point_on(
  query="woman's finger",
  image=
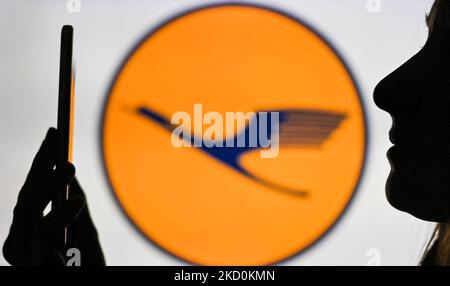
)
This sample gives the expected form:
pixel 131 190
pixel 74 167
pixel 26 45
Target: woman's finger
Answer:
pixel 46 157
pixel 63 215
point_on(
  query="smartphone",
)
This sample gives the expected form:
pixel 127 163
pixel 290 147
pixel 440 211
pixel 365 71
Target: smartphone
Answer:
pixel 65 101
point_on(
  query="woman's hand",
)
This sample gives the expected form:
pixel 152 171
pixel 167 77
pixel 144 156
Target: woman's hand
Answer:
pixel 35 239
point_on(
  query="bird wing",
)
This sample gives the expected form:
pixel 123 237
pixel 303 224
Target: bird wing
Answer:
pixel 309 127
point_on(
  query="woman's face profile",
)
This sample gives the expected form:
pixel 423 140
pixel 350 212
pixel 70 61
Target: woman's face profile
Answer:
pixel 417 96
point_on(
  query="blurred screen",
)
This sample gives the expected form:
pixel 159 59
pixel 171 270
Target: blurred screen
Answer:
pixel 178 107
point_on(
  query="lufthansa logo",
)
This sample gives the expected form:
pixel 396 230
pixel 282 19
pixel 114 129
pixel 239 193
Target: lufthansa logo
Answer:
pixel 222 203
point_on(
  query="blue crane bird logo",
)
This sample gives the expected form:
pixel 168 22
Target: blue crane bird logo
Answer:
pixel 298 128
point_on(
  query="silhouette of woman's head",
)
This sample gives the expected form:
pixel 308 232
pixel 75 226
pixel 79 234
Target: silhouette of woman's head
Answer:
pixel 417 95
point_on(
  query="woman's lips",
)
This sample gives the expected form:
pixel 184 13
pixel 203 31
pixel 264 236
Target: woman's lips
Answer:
pixel 392 136
pixel 394 149
pixel 391 150
pixel 391 153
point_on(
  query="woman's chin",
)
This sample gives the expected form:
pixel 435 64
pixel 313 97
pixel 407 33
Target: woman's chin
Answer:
pixel 408 196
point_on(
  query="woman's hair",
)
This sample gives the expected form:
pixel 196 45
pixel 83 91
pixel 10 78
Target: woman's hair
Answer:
pixel 437 252
pixel 439 14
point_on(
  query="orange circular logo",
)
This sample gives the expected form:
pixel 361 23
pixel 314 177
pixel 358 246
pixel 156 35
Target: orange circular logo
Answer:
pixel 212 203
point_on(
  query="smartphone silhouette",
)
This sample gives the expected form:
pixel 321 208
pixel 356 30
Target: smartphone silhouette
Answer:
pixel 65 101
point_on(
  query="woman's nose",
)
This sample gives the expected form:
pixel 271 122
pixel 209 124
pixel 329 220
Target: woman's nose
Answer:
pixel 382 96
pixel 396 90
pixel 402 87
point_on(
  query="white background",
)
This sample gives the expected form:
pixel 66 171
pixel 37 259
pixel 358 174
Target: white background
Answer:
pixel 373 45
